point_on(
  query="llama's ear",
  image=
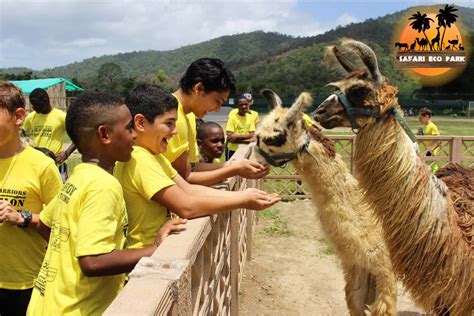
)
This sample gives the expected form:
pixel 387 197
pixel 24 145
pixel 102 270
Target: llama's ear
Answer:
pixel 273 99
pixel 367 56
pixel 342 59
pixel 303 102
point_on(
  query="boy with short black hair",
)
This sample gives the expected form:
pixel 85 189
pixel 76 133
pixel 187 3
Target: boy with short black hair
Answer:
pixel 152 186
pixel 204 87
pixel 84 266
pixel 46 127
pixel 211 142
pixel 28 181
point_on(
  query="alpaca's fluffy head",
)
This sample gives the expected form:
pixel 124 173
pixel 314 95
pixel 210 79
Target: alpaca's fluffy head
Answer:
pixel 364 87
pixel 283 129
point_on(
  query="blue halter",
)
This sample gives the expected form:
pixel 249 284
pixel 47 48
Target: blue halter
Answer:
pixel 280 160
pixel 352 112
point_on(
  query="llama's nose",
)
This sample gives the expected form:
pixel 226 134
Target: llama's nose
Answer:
pixel 319 111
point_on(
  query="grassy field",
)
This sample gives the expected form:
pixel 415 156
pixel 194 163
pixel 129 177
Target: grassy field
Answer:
pixel 446 125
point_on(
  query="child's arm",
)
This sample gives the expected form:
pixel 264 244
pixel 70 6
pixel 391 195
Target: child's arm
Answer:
pixel 241 139
pixel 218 172
pixel 62 156
pixel 10 215
pixel 244 168
pixel 123 261
pixel 212 201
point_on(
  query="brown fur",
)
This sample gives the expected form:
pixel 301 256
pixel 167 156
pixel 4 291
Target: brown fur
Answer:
pixel 328 144
pixel 348 222
pixel 460 181
pixel 427 227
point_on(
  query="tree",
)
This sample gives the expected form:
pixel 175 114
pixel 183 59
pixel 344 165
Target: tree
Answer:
pixel 109 76
pixel 421 23
pixel 446 17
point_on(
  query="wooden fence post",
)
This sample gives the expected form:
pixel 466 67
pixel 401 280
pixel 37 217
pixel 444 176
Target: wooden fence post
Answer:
pixel 456 154
pixel 234 262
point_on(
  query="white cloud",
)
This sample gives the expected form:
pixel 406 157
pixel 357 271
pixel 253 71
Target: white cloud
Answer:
pixel 346 18
pixel 41 34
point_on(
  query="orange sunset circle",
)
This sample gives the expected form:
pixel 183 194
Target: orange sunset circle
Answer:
pixel 451 35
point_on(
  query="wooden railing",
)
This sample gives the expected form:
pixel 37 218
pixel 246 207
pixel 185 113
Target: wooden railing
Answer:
pixel 195 272
pixel 458 149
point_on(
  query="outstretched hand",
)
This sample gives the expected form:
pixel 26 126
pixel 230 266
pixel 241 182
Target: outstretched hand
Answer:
pixel 251 169
pixel 170 227
pixel 9 215
pixel 259 200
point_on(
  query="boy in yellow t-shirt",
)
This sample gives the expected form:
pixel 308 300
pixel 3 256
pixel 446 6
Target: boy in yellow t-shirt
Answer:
pixel 85 262
pixel 241 125
pixel 28 181
pixel 211 142
pixel 152 186
pixel 205 86
pixel 46 127
pixel 430 128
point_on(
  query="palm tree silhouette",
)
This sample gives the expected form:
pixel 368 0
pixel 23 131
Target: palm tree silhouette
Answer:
pixel 421 23
pixel 445 18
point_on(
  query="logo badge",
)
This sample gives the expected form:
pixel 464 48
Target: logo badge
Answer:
pixel 430 43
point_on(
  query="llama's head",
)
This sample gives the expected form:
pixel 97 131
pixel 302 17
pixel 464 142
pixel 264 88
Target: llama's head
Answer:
pixel 282 134
pixel 363 96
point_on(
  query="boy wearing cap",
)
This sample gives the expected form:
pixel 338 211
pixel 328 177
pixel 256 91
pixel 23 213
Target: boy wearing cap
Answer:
pixel 241 125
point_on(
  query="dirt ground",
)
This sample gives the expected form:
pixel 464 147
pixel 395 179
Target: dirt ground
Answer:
pixel 294 270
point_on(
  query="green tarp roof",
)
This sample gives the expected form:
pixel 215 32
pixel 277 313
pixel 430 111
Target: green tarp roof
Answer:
pixel 29 85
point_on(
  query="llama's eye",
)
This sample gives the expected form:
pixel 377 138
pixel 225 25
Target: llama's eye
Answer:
pixel 358 92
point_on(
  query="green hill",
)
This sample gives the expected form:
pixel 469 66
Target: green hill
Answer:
pixel 258 59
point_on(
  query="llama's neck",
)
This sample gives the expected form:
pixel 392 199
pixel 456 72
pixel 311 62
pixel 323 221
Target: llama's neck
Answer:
pixel 329 182
pixel 398 183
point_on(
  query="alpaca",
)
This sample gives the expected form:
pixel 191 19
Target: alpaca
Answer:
pixel 430 244
pixel 348 223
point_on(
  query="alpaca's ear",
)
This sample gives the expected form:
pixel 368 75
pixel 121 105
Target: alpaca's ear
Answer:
pixel 303 102
pixel 273 99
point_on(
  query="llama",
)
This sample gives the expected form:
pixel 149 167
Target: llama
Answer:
pixel 348 223
pixel 430 244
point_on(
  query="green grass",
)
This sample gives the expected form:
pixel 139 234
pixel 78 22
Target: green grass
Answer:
pixel 459 126
pixel 275 225
pixel 328 249
pixel 446 125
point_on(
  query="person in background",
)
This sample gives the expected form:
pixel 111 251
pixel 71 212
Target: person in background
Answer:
pixel 241 124
pixel 46 127
pixel 430 128
pixel 211 142
pixel 28 181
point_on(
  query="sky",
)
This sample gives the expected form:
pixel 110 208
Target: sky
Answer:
pixel 41 34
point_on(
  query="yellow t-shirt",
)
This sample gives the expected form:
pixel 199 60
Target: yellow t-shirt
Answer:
pixel 47 130
pixel 141 178
pixel 431 129
pixel 87 217
pixel 185 140
pixel 28 181
pixel 309 122
pixel 240 125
